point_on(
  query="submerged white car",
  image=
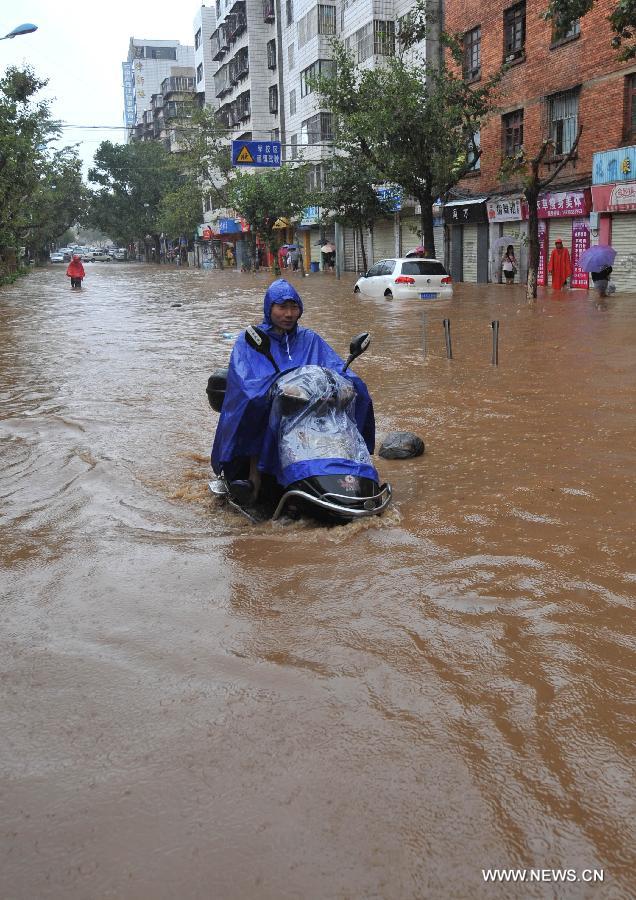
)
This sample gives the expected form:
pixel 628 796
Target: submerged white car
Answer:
pixel 404 279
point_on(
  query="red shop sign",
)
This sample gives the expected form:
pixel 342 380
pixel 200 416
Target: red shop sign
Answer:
pixel 556 204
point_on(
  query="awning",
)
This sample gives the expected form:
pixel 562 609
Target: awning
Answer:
pixel 466 212
pixel 281 223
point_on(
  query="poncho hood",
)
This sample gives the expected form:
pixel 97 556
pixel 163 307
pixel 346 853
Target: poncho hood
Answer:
pixel 279 291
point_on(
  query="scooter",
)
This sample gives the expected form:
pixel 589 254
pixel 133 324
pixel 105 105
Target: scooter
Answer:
pixel 312 420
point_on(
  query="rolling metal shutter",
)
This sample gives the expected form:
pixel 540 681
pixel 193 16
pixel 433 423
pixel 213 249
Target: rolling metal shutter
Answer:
pixel 349 249
pixel 408 238
pixel 383 240
pixel 469 253
pixel 624 242
pixel 560 228
pixel 438 234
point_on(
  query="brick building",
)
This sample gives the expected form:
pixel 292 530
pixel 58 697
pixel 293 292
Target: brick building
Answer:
pixel 554 84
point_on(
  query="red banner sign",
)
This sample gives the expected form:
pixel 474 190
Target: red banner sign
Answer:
pixel 580 243
pixel 556 204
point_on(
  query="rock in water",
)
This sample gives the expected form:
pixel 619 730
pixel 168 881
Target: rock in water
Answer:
pixel 401 445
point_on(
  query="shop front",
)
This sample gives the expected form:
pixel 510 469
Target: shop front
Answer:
pixel 468 227
pixel 508 224
pixel 614 199
pixel 564 216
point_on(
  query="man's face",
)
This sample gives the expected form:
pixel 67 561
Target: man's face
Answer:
pixel 285 315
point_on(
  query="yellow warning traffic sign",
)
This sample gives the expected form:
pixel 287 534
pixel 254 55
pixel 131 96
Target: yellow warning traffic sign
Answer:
pixel 245 156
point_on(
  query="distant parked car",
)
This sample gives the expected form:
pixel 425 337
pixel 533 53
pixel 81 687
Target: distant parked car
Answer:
pixel 403 279
pixel 120 254
pixel 101 256
pixel 87 255
pixel 57 257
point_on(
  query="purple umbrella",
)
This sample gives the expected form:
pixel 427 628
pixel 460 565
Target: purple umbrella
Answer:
pixel 596 258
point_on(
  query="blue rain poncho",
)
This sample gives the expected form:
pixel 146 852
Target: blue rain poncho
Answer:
pixel 243 424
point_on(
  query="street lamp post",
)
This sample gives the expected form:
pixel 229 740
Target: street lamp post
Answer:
pixel 26 28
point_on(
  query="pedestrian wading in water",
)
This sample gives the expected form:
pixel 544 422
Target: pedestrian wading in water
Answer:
pixel 75 272
pixel 560 265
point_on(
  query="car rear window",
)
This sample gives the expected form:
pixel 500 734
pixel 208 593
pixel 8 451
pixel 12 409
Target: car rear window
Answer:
pixel 423 267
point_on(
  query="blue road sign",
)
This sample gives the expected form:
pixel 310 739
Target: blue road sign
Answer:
pixel 262 154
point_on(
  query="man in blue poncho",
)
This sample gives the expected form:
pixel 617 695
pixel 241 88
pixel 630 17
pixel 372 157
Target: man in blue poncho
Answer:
pixel 239 439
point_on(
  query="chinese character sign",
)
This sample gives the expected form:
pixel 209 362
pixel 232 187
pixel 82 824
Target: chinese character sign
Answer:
pixel 129 93
pixel 261 154
pixel 580 243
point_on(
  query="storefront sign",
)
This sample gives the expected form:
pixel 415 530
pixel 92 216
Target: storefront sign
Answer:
pixel 470 212
pixel 614 165
pixel 229 226
pixel 311 215
pixel 563 203
pixel 129 94
pixel 543 253
pixel 580 243
pixel 615 197
pixel 622 198
pixel 391 196
pixel 509 210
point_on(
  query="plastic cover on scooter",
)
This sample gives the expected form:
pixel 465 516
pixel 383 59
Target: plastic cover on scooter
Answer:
pixel 313 418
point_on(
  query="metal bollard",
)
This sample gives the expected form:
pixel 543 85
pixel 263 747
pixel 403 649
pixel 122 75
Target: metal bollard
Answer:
pixel 495 342
pixel 447 336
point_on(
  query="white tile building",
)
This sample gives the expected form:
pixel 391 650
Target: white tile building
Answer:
pixel 203 27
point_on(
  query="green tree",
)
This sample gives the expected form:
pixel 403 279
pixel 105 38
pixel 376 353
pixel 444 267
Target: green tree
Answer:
pixel 134 179
pixel 180 210
pixel 349 196
pixel 26 128
pixel 60 200
pixel 263 198
pixel 206 155
pixel 622 19
pixel 417 124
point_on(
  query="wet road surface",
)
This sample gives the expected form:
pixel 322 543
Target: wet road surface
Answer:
pixel 200 708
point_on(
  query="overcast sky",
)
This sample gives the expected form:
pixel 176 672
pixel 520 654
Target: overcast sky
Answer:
pixel 80 49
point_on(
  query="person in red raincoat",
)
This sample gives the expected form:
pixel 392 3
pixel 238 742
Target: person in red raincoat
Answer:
pixel 76 271
pixel 559 265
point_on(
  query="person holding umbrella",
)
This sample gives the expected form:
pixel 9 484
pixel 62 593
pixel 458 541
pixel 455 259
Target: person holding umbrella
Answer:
pixel 598 262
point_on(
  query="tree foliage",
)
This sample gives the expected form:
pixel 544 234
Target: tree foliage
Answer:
pixel 622 19
pixel 263 198
pixel 41 192
pixel 133 181
pixel 349 195
pixel 206 155
pixel 416 123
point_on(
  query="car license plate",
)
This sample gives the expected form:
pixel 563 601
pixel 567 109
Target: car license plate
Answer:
pixel 428 296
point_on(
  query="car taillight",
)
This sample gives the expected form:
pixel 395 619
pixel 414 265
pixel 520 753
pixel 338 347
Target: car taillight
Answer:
pixel 447 280
pixel 404 279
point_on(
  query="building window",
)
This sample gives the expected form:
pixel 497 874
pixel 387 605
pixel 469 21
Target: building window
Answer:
pixel 294 146
pixel 292 102
pixel 563 113
pixel 275 134
pixel 317 129
pixel 271 54
pixel 316 178
pixel 290 57
pixel 512 132
pixel 630 108
pixel 561 37
pixel 289 7
pixel 273 99
pixel 161 53
pixel 474 156
pixel 199 72
pixel 218 9
pixel 322 67
pixel 472 54
pixel 197 39
pixel 514 32
pixel 268 11
pixel 326 19
pixel 376 38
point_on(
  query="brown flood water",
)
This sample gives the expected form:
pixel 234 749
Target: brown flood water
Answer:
pixel 194 707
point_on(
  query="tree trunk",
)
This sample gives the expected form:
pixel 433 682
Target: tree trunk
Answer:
pixel 532 196
pixel 426 222
pixel 362 247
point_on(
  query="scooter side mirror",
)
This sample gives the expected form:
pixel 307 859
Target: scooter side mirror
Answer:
pixel 357 346
pixel 259 341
